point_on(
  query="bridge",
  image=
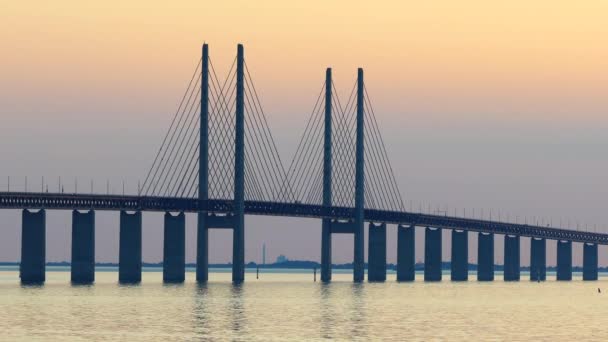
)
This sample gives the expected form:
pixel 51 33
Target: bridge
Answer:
pixel 219 160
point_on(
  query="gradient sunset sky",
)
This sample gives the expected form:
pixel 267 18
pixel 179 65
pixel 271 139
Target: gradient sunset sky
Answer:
pixel 483 104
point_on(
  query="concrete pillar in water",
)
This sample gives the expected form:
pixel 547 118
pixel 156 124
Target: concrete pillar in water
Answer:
pixel 238 235
pixel 326 222
pixel 460 255
pixel 485 257
pixel 174 250
pixel 129 256
pixel 202 248
pixel 359 262
pixel 83 247
pixel 33 246
pixel 376 264
pixel 202 233
pixel 564 260
pixel 589 261
pixel 325 250
pixel 432 254
pixel 406 253
pixel 511 258
pixel 538 259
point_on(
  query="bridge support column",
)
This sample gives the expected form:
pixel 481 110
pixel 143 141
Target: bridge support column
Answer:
pixel 485 257
pixel 327 167
pixel 359 262
pixel 406 253
pixel 202 233
pixel 432 254
pixel 460 255
pixel 238 235
pixel 326 250
pixel 564 260
pixel 359 250
pixel 129 256
pixel 83 247
pixel 33 247
pixel 511 258
pixel 174 250
pixel 202 249
pixel 538 259
pixel 376 264
pixel 589 261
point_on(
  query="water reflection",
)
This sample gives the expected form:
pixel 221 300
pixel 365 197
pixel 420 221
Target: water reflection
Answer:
pixel 237 308
pixel 201 315
pixel 220 307
pixel 342 309
pixel 30 286
pixel 358 310
pixel 282 307
pixel 327 311
pixel 127 289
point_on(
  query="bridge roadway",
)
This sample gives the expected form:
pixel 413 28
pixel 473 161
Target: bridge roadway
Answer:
pixel 63 201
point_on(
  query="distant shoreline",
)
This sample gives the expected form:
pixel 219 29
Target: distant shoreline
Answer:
pixel 298 264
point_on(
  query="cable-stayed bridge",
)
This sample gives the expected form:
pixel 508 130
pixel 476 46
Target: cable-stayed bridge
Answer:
pixel 220 160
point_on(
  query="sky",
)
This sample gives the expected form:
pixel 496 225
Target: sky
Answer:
pixel 482 104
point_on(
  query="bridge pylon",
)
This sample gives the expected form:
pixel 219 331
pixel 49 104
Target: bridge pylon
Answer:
pixel 327 169
pixel 202 234
pixel 236 219
pixel 359 262
pixel 238 234
pixel 356 224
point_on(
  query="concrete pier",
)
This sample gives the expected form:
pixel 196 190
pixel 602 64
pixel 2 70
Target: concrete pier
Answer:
pixel 174 248
pixel 485 257
pixel 511 258
pixel 460 255
pixel 83 247
pixel 432 254
pixel 564 260
pixel 406 253
pixel 325 250
pixel 538 259
pixel 202 248
pixel 129 256
pixel 589 261
pixel 376 265
pixel 33 247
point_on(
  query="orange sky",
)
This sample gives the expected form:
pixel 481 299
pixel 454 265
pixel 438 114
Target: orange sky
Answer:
pixel 494 104
pixel 532 58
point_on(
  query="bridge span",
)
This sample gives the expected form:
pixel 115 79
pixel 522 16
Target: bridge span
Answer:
pixel 220 215
pixel 219 160
pixel 84 202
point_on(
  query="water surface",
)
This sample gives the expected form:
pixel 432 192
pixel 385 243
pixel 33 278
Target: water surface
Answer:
pixel 290 306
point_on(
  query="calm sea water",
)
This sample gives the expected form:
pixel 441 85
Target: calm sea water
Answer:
pixel 290 306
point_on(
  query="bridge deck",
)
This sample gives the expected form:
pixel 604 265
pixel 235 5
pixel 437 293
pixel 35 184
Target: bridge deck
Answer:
pixel 21 200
